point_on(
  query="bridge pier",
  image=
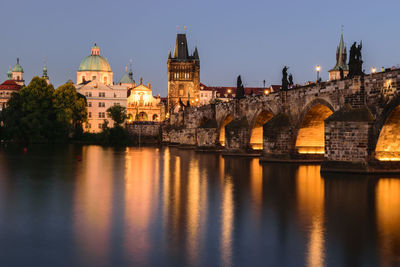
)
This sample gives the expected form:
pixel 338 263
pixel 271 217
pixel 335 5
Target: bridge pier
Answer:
pixel 237 138
pixel 350 143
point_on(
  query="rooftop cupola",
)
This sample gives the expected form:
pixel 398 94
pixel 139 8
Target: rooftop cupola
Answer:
pixel 9 74
pixel 95 50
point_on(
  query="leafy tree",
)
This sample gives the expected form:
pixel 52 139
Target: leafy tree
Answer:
pixel 70 108
pixel 29 115
pixel 117 114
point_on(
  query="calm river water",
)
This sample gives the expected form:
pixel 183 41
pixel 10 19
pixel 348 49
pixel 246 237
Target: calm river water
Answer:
pixel 171 207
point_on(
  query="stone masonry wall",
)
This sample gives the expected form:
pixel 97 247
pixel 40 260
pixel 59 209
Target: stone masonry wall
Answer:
pixel 347 140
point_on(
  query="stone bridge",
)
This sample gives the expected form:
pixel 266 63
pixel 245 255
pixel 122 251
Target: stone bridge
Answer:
pixel 349 125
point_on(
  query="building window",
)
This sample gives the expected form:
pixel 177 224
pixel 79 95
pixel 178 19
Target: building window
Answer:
pixel 102 114
pixel 100 124
pixel 88 125
pixel 102 94
pixel 90 114
pixel 93 78
pixel 105 79
pixel 89 104
pixel 88 94
pixel 83 79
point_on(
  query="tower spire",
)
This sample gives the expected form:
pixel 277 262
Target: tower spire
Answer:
pixel 45 76
pixel 130 70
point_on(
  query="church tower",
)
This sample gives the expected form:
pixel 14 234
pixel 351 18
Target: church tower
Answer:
pixel 45 76
pixel 18 74
pixel 341 58
pixel 183 75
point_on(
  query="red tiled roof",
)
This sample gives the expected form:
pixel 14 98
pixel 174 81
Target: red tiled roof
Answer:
pixel 9 85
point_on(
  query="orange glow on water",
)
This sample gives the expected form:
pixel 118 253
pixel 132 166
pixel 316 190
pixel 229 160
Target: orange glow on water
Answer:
pixel 388 217
pixel 311 135
pixel 310 192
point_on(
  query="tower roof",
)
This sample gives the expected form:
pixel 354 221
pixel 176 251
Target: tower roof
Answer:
pixel 181 51
pixel 181 47
pixel 17 67
pixel 341 56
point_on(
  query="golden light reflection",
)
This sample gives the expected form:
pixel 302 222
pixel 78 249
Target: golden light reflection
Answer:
pixel 227 222
pixel 141 197
pixel 93 198
pixel 256 182
pixel 311 135
pixel 388 218
pixel 221 138
pixel 196 210
pixel 256 138
pixel 310 192
pixel 388 146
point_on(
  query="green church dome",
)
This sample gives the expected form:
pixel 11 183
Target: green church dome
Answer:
pixel 17 67
pixel 95 62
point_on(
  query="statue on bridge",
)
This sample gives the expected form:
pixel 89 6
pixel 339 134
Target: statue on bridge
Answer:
pixel 355 61
pixel 285 81
pixel 239 88
pixel 291 80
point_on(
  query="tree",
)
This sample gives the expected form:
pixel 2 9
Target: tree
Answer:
pixel 117 114
pixel 70 108
pixel 239 88
pixel 29 115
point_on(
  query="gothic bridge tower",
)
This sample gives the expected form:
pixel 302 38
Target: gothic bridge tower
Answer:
pixel 183 75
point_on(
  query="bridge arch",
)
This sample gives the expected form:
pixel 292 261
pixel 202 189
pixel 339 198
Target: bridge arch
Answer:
pixel 310 132
pixel 387 133
pixel 256 134
pixel 221 129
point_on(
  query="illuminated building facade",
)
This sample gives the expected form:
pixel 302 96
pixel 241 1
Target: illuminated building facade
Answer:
pixel 143 106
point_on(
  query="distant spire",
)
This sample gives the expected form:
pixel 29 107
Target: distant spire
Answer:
pixel 18 60
pixel 9 74
pixel 130 70
pixel 196 54
pixel 45 76
pixel 341 54
pixel 126 68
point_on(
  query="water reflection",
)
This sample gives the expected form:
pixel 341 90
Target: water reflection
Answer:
pixel 310 193
pixel 388 219
pixel 171 207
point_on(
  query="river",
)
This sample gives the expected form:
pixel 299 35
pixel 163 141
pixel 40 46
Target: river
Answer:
pixel 172 207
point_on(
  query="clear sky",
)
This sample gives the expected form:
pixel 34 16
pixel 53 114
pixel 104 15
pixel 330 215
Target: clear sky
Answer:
pixel 252 38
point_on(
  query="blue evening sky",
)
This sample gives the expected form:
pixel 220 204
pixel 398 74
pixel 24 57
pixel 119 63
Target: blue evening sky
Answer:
pixel 252 38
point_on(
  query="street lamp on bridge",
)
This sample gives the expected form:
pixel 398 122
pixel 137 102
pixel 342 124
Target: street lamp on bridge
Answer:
pixel 318 69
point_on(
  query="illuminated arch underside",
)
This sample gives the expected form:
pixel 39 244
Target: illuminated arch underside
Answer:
pixel 256 139
pixel 388 146
pixel 227 120
pixel 311 135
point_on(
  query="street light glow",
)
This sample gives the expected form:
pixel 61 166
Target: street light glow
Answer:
pixel 318 68
pixel 373 70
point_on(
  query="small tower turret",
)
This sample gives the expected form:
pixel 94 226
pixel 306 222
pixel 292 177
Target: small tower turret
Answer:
pixel 341 58
pixel 18 74
pixel 45 76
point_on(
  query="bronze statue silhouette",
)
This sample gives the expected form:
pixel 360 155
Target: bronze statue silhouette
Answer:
pixel 285 82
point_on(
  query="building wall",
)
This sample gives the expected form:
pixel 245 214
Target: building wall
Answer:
pixel 102 76
pixel 99 98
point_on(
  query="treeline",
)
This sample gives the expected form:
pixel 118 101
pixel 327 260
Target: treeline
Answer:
pixel 39 114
